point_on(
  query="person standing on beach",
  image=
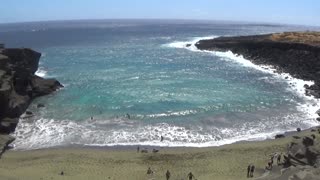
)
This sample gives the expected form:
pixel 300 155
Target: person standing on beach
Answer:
pixel 279 159
pixel 252 170
pixel 168 175
pixel 128 116
pixel 190 176
pixel 138 149
pixel 269 165
pixel 149 171
pixel 248 170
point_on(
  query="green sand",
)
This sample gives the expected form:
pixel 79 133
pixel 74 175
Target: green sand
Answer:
pixel 225 162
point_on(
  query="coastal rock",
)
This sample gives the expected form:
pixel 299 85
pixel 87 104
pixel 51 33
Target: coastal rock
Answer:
pixel 41 87
pixel 293 53
pixel 19 85
pixel 307 141
pixel 8 125
pixel 279 136
pixel 296 53
pixel 40 105
pixel 5 140
pixel 301 162
pixel 304 152
pixel 22 60
pixel 29 113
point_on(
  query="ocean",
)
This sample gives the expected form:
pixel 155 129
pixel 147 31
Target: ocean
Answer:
pixel 129 82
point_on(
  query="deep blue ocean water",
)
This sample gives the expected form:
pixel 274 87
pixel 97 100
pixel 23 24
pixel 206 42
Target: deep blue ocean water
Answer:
pixel 113 69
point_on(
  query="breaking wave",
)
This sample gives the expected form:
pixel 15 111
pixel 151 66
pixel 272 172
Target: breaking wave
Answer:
pixel 45 133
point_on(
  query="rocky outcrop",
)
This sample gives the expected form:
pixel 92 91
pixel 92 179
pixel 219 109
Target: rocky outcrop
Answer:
pixel 19 85
pixel 299 58
pixel 301 159
pixel 5 140
pixel 299 55
pixel 304 151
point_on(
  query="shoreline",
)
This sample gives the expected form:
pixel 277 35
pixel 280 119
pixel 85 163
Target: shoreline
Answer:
pixel 287 134
pixel 223 162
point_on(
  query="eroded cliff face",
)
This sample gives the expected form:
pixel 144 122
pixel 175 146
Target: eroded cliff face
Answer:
pixel 301 60
pixel 19 85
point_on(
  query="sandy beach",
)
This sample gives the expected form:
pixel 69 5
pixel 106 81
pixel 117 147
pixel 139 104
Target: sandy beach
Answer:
pixel 225 162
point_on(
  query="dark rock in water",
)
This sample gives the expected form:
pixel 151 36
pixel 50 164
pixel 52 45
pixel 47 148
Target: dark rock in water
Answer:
pixel 318 119
pixel 306 86
pixel 188 45
pixel 42 86
pixel 29 113
pixel 298 129
pixel 279 136
pixel 318 112
pixel 40 105
pixel 19 85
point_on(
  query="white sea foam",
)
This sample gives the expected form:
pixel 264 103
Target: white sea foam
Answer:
pixel 183 44
pixel 44 133
pixel 41 72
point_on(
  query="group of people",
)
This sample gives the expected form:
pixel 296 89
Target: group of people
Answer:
pixel 168 174
pixel 250 170
pixel 190 175
pixel 273 156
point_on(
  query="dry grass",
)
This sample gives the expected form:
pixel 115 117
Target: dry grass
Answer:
pixel 308 37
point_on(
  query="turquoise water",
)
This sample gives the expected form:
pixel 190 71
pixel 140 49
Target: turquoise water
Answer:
pixel 112 69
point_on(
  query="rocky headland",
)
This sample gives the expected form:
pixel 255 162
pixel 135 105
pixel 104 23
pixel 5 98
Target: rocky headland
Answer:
pixel 18 87
pixel 296 53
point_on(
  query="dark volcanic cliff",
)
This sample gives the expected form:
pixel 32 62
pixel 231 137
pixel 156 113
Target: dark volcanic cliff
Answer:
pixel 294 53
pixel 19 86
